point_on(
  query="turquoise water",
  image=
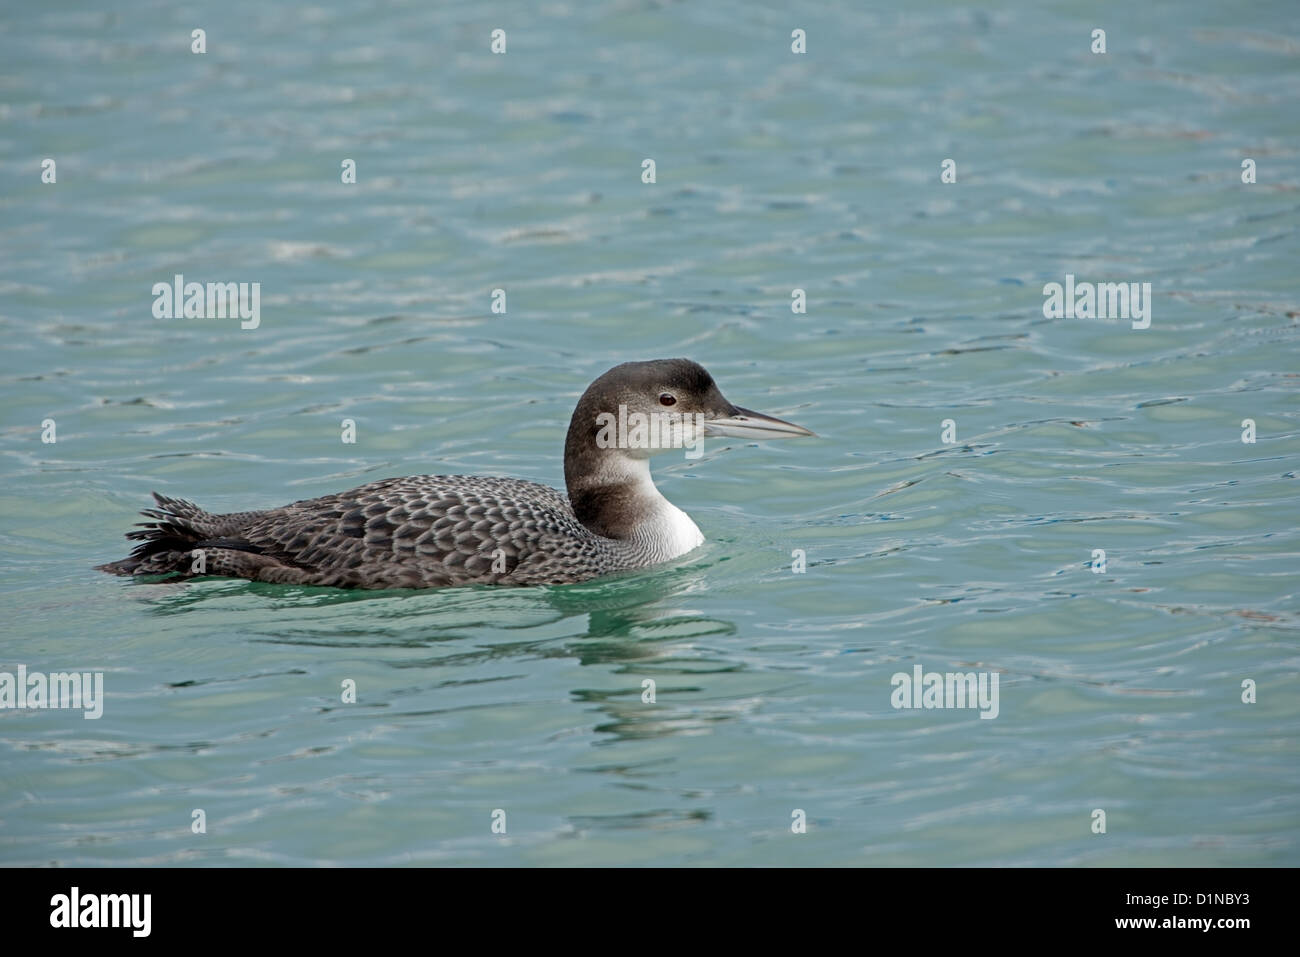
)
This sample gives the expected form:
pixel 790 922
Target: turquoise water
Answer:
pixel 1120 690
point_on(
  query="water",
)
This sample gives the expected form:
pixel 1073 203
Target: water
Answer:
pixel 1119 690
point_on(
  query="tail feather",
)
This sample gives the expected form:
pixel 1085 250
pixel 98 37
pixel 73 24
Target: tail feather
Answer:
pixel 166 545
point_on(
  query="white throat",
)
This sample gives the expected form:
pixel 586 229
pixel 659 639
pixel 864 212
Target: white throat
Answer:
pixel 665 531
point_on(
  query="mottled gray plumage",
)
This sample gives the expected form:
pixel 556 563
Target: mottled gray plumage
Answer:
pixel 418 532
pixel 428 531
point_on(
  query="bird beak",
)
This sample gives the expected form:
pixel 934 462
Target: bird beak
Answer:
pixel 747 424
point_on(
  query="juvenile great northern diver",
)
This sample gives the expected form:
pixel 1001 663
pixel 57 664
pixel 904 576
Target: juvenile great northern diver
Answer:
pixel 427 531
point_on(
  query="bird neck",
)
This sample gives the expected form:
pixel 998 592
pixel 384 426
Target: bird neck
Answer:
pixel 612 494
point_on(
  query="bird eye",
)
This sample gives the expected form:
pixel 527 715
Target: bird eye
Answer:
pixel 667 398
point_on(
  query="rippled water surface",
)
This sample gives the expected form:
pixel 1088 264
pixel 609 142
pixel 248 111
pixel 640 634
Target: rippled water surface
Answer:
pixel 1120 689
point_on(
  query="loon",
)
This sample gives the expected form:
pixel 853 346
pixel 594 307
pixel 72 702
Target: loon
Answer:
pixel 430 531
